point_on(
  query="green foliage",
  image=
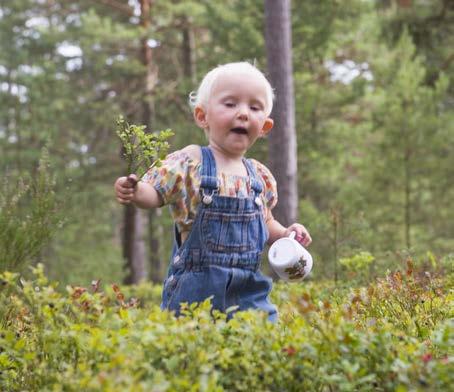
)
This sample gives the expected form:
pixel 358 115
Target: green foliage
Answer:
pixel 30 214
pixel 142 150
pixel 413 301
pixel 407 123
pixel 89 339
pixel 376 152
pixel 358 262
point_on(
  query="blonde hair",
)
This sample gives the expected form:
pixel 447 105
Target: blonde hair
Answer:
pixel 203 93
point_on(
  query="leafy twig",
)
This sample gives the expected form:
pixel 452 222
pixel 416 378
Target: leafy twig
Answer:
pixel 142 150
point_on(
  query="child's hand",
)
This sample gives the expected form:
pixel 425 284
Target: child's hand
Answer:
pixel 125 188
pixel 302 235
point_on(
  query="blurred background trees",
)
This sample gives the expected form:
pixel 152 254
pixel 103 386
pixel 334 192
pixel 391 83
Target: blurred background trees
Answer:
pixel 373 111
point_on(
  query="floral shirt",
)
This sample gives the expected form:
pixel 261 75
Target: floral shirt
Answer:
pixel 178 182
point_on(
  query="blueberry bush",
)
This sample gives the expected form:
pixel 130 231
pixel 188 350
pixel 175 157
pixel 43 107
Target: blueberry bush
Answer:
pixel 396 334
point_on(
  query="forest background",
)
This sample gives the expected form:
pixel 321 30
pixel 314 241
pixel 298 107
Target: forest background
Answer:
pixel 373 111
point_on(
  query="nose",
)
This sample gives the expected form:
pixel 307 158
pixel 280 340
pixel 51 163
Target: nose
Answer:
pixel 243 112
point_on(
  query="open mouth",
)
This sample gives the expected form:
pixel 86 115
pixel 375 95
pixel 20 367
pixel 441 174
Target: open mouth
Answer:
pixel 239 130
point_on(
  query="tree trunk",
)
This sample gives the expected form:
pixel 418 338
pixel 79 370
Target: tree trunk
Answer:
pixel 156 232
pixel 134 244
pixel 335 218
pixel 189 62
pixel 136 220
pixel 282 139
pixel 155 229
pixel 406 135
pixel 407 202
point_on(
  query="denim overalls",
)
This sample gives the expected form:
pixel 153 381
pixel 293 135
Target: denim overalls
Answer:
pixel 221 255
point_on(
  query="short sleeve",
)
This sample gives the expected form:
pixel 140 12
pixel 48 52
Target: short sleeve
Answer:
pixel 169 178
pixel 269 183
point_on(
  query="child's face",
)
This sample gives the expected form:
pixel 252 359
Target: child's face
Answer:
pixel 235 115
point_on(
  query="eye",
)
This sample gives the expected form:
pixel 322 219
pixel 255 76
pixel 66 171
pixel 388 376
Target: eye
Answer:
pixel 229 104
pixel 256 108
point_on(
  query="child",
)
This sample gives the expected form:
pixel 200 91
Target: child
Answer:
pixel 220 201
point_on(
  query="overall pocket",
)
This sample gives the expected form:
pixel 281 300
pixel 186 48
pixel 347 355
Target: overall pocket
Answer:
pixel 171 285
pixel 186 288
pixel 224 232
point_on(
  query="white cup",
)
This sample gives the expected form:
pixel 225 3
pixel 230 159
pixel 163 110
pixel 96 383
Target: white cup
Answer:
pixel 289 259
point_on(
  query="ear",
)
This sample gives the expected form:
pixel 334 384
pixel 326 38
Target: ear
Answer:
pixel 267 126
pixel 200 117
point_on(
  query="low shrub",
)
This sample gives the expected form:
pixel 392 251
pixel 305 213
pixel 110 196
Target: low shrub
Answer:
pixel 30 214
pixel 93 339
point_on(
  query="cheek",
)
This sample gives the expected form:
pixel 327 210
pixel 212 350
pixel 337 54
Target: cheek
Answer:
pixel 215 116
pixel 259 118
pixel 222 116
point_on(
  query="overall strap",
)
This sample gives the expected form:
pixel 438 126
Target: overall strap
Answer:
pixel 209 179
pixel 256 184
pixel 208 162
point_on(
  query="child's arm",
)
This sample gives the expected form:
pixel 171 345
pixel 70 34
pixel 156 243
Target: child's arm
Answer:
pixel 142 194
pixel 276 231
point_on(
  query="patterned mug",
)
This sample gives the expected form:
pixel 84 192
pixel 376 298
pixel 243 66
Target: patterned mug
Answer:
pixel 289 259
